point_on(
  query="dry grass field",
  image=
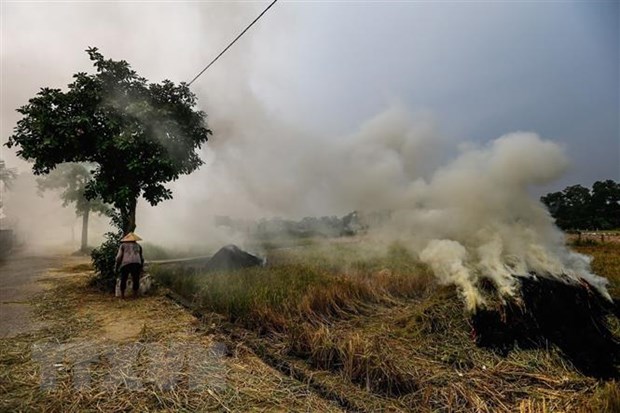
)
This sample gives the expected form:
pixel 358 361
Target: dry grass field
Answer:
pixel 383 336
pixel 324 327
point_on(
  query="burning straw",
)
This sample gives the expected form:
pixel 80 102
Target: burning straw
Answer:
pixel 574 317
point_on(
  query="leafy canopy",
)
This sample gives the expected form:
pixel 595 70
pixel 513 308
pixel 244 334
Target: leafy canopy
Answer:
pixel 577 207
pixel 138 135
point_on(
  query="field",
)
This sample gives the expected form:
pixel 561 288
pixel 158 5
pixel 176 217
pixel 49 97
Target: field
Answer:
pixel 373 331
pixel 339 326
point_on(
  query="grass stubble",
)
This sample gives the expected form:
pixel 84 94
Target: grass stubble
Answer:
pixel 379 334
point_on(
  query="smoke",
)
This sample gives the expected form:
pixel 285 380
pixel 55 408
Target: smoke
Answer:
pixel 479 221
pixel 471 217
pixel 39 221
pixel 466 210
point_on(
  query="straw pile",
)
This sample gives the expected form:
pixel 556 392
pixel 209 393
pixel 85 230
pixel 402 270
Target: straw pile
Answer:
pixel 575 318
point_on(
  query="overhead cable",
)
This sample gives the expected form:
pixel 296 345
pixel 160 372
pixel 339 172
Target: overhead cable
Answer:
pixel 231 43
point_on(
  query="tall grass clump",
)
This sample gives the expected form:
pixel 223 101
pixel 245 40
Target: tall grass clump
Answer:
pixel 313 284
pixel 302 292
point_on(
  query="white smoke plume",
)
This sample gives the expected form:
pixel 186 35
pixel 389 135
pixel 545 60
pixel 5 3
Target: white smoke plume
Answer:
pixel 465 209
pixel 468 218
pixel 479 221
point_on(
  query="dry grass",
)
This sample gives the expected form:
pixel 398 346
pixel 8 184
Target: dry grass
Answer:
pixel 379 321
pixel 371 330
pixel 80 324
pixel 606 263
pixel 607 398
pixel 302 284
pixel 421 355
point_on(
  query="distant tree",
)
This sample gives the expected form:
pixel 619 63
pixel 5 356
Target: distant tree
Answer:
pixel 71 180
pixel 577 207
pixel 7 175
pixel 605 204
pixel 138 136
pixel 577 200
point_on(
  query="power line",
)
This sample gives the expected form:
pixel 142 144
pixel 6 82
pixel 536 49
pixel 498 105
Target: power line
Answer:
pixel 231 43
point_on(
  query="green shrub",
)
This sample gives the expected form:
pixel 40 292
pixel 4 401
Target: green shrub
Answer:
pixel 104 257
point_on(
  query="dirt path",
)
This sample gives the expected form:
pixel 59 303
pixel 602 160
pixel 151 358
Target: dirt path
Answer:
pixel 19 274
pixel 150 354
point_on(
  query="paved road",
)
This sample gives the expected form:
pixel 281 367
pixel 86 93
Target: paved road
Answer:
pixel 19 273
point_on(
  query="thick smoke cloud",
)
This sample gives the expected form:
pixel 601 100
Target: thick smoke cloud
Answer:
pixel 464 209
pixel 468 218
pixel 484 224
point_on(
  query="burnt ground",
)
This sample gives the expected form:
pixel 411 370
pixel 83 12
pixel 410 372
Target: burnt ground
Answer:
pixel 573 317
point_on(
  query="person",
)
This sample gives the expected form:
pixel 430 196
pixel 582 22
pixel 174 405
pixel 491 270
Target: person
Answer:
pixel 129 260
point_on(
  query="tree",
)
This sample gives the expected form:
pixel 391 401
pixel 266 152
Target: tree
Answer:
pixel 577 200
pixel 577 207
pixel 71 179
pixel 605 204
pixel 7 175
pixel 138 135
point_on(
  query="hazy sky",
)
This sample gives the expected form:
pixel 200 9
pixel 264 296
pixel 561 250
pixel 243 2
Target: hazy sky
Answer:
pixel 480 69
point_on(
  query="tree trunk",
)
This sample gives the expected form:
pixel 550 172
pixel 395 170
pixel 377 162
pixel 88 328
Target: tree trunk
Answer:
pixel 84 246
pixel 131 217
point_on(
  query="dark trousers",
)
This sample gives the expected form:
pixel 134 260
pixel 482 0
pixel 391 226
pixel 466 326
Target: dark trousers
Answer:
pixel 134 269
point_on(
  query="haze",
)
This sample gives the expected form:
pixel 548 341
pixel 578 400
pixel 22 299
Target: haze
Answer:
pixel 326 107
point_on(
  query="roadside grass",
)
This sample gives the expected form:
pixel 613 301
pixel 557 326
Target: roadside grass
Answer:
pixel 376 318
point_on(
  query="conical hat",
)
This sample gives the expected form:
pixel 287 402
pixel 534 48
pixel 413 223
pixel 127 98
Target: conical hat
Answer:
pixel 131 237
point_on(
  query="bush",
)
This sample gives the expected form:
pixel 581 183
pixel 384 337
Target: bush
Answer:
pixel 104 257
